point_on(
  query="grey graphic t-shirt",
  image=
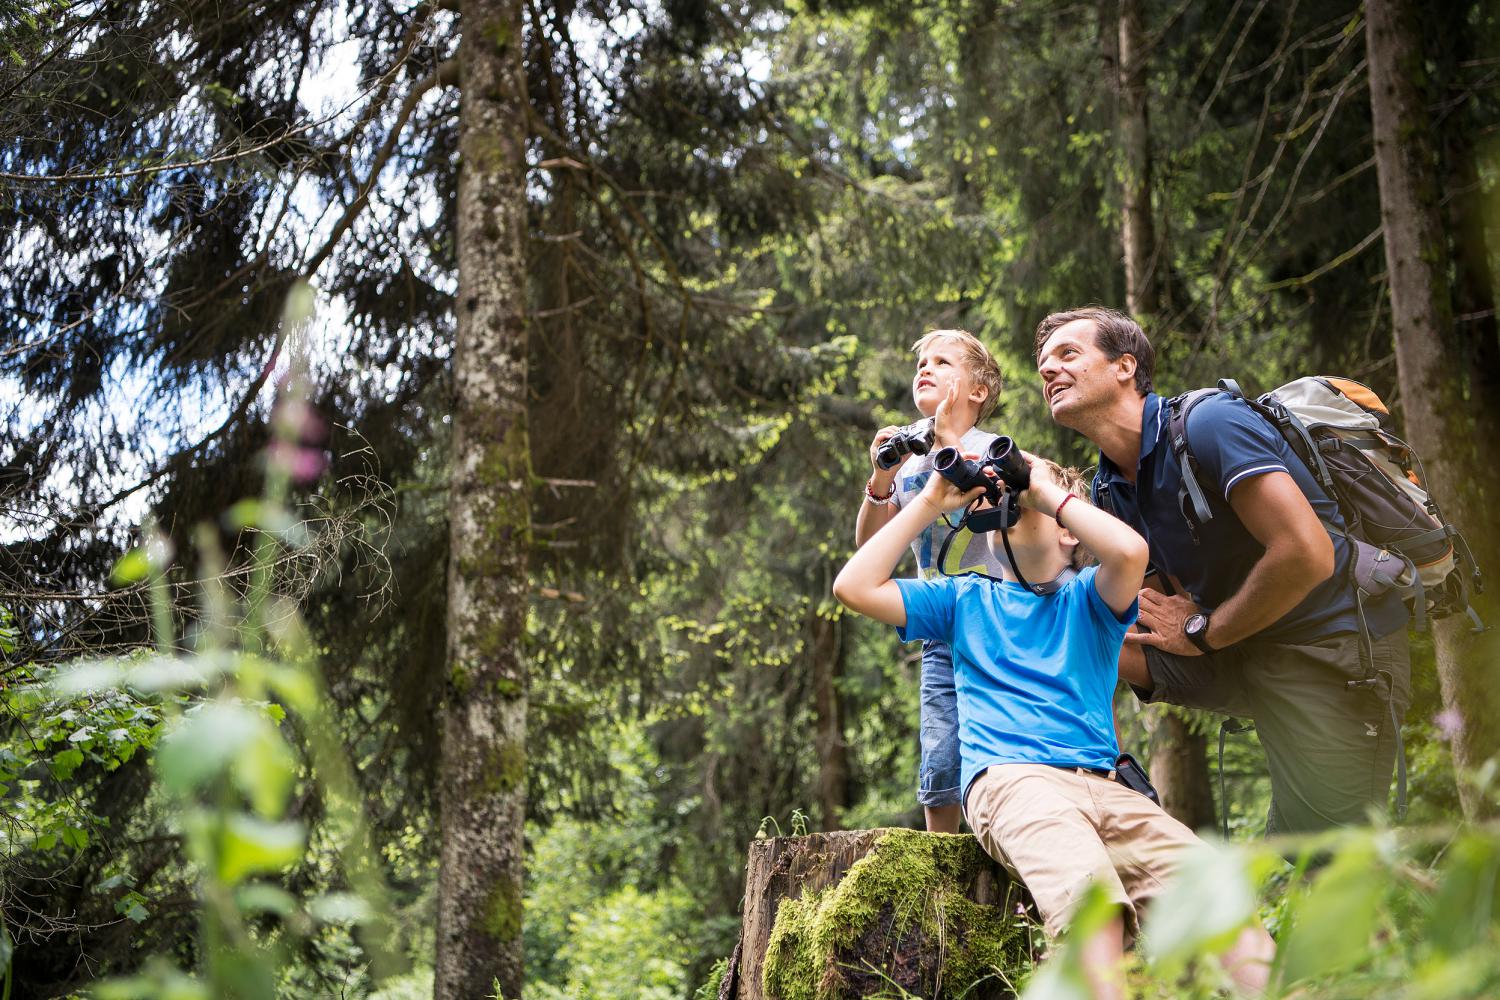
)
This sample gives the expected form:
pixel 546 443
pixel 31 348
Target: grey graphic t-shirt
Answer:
pixel 968 552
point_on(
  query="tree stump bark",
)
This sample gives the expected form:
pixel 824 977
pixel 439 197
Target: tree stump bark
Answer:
pixel 860 912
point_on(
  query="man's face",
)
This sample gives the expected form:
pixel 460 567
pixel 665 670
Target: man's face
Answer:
pixel 1076 375
pixel 939 365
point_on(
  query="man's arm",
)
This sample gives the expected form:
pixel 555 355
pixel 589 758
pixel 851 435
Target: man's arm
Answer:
pixel 1299 556
pixel 865 584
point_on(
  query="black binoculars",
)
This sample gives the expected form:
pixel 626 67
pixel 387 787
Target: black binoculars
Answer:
pixel 1011 468
pixel 913 439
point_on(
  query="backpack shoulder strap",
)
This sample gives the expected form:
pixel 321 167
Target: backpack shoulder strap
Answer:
pixel 1190 496
pixel 1099 492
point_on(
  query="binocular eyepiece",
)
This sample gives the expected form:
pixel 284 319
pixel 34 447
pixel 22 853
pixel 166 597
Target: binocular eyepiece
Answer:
pixel 913 439
pixel 1011 468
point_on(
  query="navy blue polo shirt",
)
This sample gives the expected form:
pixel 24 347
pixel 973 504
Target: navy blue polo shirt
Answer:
pixel 1233 443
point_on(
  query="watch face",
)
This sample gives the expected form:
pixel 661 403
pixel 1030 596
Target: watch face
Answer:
pixel 1195 624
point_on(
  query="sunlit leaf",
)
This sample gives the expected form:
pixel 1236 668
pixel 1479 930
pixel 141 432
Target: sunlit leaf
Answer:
pixel 204 743
pixel 251 846
pixel 340 908
pixel 131 568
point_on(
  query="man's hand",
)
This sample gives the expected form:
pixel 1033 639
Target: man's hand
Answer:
pixel 1164 616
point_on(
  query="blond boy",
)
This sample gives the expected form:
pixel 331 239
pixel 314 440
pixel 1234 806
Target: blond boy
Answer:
pixel 958 360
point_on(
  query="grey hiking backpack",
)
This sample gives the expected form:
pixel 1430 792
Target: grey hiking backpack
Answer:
pixel 1344 434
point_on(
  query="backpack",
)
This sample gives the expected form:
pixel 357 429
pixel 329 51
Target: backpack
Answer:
pixel 1344 434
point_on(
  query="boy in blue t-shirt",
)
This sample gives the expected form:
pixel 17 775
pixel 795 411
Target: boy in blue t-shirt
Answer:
pixel 1035 676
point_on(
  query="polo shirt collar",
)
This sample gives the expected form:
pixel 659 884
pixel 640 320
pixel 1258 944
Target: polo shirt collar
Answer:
pixel 1153 429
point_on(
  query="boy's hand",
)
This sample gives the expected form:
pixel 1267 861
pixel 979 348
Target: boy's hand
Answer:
pixel 944 497
pixel 881 437
pixel 1044 492
pixel 946 432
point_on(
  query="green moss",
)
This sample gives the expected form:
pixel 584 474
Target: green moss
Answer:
pixel 710 988
pixel 502 911
pixel 505 768
pixel 907 894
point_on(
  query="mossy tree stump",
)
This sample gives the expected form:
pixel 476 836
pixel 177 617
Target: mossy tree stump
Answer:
pixel 861 912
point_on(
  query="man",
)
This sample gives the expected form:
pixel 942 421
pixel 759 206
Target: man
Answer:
pixel 1259 617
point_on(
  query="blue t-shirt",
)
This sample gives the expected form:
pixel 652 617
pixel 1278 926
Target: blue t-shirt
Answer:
pixel 1035 675
pixel 1232 443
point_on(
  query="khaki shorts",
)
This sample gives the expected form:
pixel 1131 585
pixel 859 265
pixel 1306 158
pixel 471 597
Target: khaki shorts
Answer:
pixel 1330 744
pixel 1059 831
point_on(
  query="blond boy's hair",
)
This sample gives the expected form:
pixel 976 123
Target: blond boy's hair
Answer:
pixel 1076 483
pixel 982 366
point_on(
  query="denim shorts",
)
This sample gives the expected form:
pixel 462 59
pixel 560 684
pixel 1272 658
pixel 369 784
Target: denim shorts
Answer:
pixel 937 779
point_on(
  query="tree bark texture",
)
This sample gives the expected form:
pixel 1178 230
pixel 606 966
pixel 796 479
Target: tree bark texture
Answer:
pixel 1179 770
pixel 483 783
pixel 1435 412
pixel 1143 260
pixel 826 647
pixel 1179 763
pixel 855 913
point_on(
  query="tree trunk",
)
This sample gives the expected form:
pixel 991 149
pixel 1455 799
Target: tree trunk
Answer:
pixel 1143 262
pixel 1179 762
pixel 483 777
pixel 1179 770
pixel 1434 408
pixel 827 650
pixel 863 911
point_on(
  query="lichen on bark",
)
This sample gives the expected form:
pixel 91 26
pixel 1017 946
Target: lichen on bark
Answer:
pixel 900 917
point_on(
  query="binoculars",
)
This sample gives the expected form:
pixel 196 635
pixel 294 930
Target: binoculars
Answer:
pixel 913 439
pixel 1011 468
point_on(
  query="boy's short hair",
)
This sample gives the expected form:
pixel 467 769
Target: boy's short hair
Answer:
pixel 1076 483
pixel 1114 332
pixel 977 358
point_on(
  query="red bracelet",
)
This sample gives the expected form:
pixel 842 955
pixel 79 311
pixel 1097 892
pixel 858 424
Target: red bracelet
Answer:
pixel 1058 516
pixel 878 501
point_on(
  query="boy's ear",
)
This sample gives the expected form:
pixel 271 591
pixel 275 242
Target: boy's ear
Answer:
pixel 979 394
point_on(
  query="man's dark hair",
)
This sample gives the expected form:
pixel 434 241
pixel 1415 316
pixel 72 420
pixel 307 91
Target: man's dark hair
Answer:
pixel 1115 333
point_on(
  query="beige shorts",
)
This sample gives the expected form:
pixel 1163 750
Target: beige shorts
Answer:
pixel 1059 831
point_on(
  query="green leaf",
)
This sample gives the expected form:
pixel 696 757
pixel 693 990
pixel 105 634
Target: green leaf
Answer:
pixel 1208 900
pixel 262 898
pixel 132 567
pixel 340 908
pixel 1333 923
pixel 1464 905
pixel 204 743
pixel 64 764
pixel 250 846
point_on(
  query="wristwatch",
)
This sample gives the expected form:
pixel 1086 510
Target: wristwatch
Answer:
pixel 1196 630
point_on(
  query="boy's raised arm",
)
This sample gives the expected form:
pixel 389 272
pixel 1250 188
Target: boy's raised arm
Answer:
pixel 1123 555
pixel 865 584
